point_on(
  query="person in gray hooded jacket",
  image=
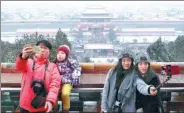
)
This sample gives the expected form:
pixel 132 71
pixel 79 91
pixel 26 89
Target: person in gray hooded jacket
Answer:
pixel 119 92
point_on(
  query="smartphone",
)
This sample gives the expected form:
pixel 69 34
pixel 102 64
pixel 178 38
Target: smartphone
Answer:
pixel 36 49
pixel 27 45
pixel 170 69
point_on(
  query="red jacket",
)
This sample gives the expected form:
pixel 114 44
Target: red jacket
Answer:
pixel 52 81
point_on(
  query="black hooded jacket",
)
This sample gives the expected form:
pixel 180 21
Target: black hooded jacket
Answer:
pixel 150 104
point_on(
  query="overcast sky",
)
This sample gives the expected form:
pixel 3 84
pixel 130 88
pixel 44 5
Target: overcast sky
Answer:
pixel 79 5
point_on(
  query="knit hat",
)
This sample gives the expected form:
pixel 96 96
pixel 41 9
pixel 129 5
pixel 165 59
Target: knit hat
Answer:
pixel 126 53
pixel 65 49
pixel 46 43
pixel 142 59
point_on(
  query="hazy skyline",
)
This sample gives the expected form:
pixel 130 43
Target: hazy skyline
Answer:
pixel 69 7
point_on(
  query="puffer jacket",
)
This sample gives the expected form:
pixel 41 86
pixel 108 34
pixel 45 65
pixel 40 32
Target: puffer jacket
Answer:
pixel 52 81
pixel 70 71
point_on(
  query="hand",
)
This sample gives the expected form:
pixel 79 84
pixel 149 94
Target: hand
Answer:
pixel 153 91
pixel 27 51
pixel 49 106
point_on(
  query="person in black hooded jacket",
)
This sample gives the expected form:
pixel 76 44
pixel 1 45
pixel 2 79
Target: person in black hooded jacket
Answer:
pixel 149 104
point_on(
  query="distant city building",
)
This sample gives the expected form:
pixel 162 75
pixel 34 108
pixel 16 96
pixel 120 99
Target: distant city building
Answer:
pixel 95 15
pixel 93 18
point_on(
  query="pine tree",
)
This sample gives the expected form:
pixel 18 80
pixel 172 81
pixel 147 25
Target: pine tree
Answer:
pixel 112 35
pixel 158 52
pixel 10 51
pixel 61 38
pixel 176 48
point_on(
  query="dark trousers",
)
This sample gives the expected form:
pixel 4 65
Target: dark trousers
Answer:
pixel 26 111
pixel 119 110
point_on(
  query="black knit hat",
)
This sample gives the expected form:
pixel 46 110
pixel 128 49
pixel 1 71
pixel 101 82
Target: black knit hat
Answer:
pixel 124 54
pixel 127 55
pixel 142 59
pixel 46 43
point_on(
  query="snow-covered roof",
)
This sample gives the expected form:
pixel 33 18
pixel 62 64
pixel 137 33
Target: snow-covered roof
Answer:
pixel 96 17
pixel 87 33
pixel 98 46
pixel 148 30
pixel 8 33
pixel 104 60
pixel 95 11
pixel 70 38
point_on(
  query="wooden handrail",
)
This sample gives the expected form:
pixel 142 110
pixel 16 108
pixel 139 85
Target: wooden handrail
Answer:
pixel 96 67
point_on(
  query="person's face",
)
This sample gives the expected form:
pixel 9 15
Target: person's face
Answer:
pixel 44 51
pixel 126 62
pixel 61 56
pixel 143 67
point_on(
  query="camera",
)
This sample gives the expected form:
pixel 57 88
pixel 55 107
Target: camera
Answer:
pixel 40 93
pixel 38 87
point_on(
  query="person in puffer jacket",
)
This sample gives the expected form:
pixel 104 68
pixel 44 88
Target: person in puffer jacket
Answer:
pixel 70 72
pixel 37 69
pixel 149 104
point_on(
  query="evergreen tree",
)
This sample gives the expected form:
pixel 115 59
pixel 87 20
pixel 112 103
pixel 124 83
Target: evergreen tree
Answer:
pixel 158 52
pixel 61 38
pixel 176 49
pixel 10 51
pixel 112 35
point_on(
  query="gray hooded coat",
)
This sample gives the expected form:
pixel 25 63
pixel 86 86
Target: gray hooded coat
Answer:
pixel 126 92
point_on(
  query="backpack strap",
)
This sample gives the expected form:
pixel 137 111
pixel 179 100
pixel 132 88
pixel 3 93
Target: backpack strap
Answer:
pixel 46 68
pixel 33 66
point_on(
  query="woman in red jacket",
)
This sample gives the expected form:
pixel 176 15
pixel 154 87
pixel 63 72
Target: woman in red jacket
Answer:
pixel 40 82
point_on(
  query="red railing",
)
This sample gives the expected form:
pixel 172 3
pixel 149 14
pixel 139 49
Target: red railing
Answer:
pixel 96 68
